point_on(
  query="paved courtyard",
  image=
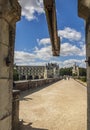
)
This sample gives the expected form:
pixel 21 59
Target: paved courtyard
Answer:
pixel 60 106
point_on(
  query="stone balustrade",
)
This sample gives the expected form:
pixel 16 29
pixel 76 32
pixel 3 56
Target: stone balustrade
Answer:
pixel 28 84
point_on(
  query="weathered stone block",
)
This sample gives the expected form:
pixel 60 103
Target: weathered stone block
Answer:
pixel 6 123
pixel 88 49
pixel 10 12
pixel 5 98
pixel 4 70
pixel 84 8
pixel 4 32
pixel 15 110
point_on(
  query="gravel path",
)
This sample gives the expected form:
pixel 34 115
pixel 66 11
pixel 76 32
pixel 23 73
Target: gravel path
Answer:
pixel 60 106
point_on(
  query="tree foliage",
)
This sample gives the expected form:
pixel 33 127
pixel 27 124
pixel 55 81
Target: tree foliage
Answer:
pixel 82 71
pixel 15 75
pixel 66 71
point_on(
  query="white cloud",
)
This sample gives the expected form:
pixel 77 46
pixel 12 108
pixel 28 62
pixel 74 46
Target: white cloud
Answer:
pixel 70 34
pixel 71 62
pixel 26 58
pixel 30 7
pixel 22 57
pixel 44 54
pixel 44 41
pixel 68 49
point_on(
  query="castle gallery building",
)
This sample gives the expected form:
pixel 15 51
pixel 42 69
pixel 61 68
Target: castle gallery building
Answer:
pixel 51 70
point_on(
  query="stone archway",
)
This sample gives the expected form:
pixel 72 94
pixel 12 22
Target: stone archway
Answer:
pixel 41 77
pixel 84 12
pixel 10 12
pixel 30 77
pixel 36 77
pixel 23 77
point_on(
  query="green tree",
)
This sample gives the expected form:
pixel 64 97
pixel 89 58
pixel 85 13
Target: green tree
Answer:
pixel 82 71
pixel 66 71
pixel 15 75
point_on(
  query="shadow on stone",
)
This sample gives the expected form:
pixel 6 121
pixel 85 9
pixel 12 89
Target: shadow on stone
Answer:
pixel 32 90
pixel 25 126
pixel 25 99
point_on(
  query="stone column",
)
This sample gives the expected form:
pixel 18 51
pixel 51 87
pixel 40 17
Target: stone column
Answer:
pixel 19 77
pixel 88 70
pixel 9 13
pixel 26 77
pixel 15 110
pixel 84 12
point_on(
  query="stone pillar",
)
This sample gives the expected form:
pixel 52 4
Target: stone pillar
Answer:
pixel 15 110
pixel 84 12
pixel 19 77
pixel 26 77
pixel 9 14
pixel 88 70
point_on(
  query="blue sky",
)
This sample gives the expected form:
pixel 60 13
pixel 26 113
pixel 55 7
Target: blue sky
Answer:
pixel 32 45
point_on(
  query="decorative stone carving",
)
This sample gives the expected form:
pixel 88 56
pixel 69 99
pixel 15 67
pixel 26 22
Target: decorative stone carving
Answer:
pixel 10 10
pixel 84 8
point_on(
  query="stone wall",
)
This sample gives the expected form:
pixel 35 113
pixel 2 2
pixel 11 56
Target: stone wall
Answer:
pixel 15 110
pixel 25 85
pixel 10 12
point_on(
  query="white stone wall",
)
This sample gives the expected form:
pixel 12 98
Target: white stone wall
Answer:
pixel 40 71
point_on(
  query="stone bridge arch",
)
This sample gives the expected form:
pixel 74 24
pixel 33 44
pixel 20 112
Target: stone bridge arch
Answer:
pixel 10 12
pixel 36 77
pixel 30 77
pixel 22 77
pixel 41 77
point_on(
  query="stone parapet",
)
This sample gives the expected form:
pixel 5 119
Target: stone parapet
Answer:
pixel 31 84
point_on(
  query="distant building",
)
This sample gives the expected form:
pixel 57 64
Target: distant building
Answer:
pixel 75 70
pixel 51 70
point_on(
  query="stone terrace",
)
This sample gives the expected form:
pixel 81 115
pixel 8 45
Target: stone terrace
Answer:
pixel 60 106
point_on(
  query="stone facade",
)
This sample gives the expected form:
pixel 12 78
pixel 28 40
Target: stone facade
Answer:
pixel 38 72
pixel 75 70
